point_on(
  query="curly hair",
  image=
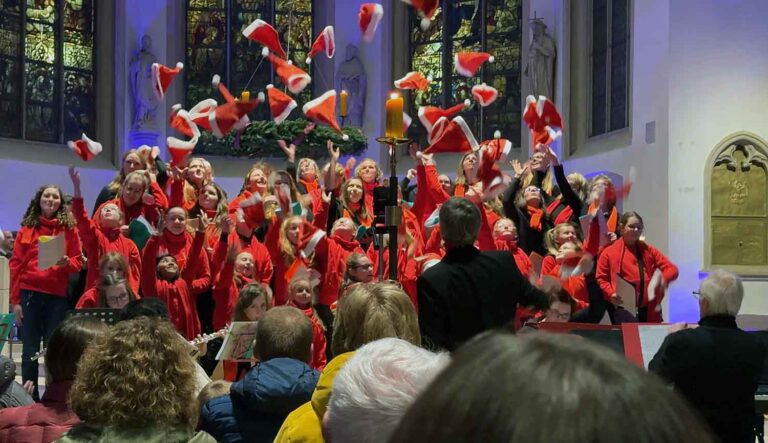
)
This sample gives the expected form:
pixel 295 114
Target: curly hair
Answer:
pixel 140 375
pixel 32 216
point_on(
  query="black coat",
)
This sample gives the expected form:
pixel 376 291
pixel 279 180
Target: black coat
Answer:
pixel 469 292
pixel 716 367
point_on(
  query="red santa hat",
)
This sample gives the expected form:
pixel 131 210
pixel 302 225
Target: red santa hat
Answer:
pixel 181 149
pixel 413 80
pixel 200 112
pixel 280 104
pixel 455 137
pixel 429 115
pixel 263 33
pixel 488 171
pixel 484 94
pixel 425 9
pixel 292 77
pixel 543 120
pixel 85 148
pixel 468 63
pixel 230 116
pixel 179 123
pixel 368 18
pixel 324 42
pixel 252 207
pixel 323 110
pixel 162 76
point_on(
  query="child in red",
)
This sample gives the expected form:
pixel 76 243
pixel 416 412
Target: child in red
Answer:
pixel 188 183
pixel 111 263
pixel 112 292
pixel 300 296
pixel 505 239
pixel 139 196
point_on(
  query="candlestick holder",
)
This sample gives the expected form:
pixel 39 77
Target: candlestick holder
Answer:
pixel 392 212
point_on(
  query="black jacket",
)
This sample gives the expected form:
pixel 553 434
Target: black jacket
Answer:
pixel 469 292
pixel 716 367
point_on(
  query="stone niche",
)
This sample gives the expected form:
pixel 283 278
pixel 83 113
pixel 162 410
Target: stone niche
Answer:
pixel 737 179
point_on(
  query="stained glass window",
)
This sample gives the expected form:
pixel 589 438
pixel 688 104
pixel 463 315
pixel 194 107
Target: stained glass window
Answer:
pixel 46 69
pixel 610 73
pixel 469 25
pixel 216 45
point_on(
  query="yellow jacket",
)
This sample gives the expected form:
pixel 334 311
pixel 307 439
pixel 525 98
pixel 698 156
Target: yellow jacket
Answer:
pixel 304 425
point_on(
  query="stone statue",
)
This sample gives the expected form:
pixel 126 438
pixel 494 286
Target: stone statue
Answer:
pixel 140 76
pixel 351 78
pixel 541 61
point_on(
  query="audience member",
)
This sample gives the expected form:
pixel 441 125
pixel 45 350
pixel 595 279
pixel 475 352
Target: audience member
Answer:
pixel 12 394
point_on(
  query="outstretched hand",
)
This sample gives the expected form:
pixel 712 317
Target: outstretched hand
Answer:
pixel 232 251
pixel 333 152
pixel 289 150
pixel 74 175
pixel 225 223
pixel 202 222
pixel 549 153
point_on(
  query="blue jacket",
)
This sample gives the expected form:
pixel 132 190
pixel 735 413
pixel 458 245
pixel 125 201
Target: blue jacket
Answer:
pixel 258 404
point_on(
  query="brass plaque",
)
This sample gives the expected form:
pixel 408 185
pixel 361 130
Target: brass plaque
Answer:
pixel 737 192
pixel 739 242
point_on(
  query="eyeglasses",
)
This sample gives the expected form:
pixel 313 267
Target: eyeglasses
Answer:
pixel 634 228
pixel 559 315
pixel 366 266
pixel 118 299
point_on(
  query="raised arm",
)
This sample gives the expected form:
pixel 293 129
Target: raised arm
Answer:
pixel 569 197
pixel 196 255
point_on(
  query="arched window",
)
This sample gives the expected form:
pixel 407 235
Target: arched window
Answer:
pixel 736 184
pixel 472 25
pixel 47 69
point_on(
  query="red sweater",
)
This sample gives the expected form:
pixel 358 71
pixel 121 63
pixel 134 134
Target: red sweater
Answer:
pixel 225 289
pixel 331 261
pixel 319 359
pixel 177 197
pixel 40 422
pixel 89 299
pixel 263 269
pixel 177 294
pixel 132 212
pixel 619 259
pixel 406 270
pixel 98 241
pixel 23 264
pixel 521 259
pixel 272 242
pixel 180 247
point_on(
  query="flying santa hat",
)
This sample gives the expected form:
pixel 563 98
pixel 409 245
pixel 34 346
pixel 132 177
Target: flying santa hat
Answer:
pixel 323 110
pixel 543 120
pixel 429 115
pixel 425 9
pixel 468 63
pixel 263 33
pixel 368 18
pixel 280 104
pixel 183 125
pixel 162 76
pixel 181 149
pixel 85 148
pixel 324 42
pixel 455 137
pixel 292 77
pixel 413 80
pixel 484 94
pixel 252 208
pixel 230 116
pixel 488 170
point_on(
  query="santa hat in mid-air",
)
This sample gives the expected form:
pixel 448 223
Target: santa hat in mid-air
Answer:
pixel 490 154
pixel 425 9
pixel 368 18
pixel 178 123
pixel 429 115
pixel 263 33
pixel 85 148
pixel 323 110
pixel 181 149
pixel 249 210
pixel 454 136
pixel 484 94
pixel 468 63
pixel 324 42
pixel 292 77
pixel 162 76
pixel 543 120
pixel 413 80
pixel 230 116
pixel 280 104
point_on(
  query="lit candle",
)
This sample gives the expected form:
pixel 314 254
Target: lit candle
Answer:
pixel 343 106
pixel 245 96
pixel 395 116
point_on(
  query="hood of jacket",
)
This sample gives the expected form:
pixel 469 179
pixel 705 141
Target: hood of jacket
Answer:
pixel 277 386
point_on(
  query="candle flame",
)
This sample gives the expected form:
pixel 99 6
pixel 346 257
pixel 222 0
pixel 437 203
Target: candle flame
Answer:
pixel 394 95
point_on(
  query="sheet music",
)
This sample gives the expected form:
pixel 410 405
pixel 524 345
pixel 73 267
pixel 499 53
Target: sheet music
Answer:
pixel 50 250
pixel 626 291
pixel 651 338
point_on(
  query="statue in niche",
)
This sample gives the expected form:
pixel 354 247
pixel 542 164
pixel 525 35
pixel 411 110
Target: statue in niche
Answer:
pixel 351 78
pixel 541 60
pixel 144 101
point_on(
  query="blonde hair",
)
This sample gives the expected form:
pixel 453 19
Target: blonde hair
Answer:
pixel 287 248
pixel 138 176
pixel 461 179
pixel 117 182
pixel 151 382
pixel 373 311
pixel 550 238
pixel 379 173
pixel 262 166
pixel 609 185
pixel 582 183
pixel 216 388
pixel 306 160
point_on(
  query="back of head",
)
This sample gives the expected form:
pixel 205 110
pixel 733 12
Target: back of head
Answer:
pixel 459 222
pixel 723 292
pixel 546 388
pixel 140 375
pixel 373 311
pixel 375 388
pixel 152 307
pixel 284 332
pixel 67 344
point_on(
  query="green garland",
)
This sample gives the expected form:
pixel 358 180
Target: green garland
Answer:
pixel 260 141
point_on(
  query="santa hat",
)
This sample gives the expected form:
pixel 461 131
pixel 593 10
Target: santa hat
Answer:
pixel 230 116
pixel 180 124
pixel 85 148
pixel 293 78
pixel 162 76
pixel 368 18
pixel 223 90
pixel 543 120
pixel 150 153
pixel 252 207
pixel 413 80
pixel 309 237
pixel 280 104
pixel 468 63
pixel 299 271
pixel 426 261
pixel 324 42
pixel 455 137
pixel 488 171
pixel 484 94
pixel 407 120
pixel 181 149
pixel 425 9
pixel 323 110
pixel 200 112
pixel 262 32
pixel 429 115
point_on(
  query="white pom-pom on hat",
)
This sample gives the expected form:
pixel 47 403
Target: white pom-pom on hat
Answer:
pixel 176 107
pixel 491 59
pixel 179 65
pixel 345 137
pixel 261 96
pixel 467 103
pixel 497 134
pixel 216 80
pixel 290 62
pixel 425 22
pixel 265 52
pixel 308 60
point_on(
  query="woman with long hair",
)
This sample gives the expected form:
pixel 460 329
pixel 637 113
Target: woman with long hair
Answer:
pixel 188 182
pixel 132 161
pixel 528 210
pixel 112 292
pixel 39 296
pixel 139 196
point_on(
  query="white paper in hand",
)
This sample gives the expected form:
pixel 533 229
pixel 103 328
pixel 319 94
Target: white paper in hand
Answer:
pixel 655 282
pixel 49 250
pixel 626 291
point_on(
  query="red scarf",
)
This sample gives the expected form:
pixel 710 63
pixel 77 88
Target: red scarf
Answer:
pixel 309 185
pixel 613 218
pixel 536 214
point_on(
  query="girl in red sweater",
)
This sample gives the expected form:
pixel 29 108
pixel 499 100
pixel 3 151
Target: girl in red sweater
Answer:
pixel 112 292
pixel 104 237
pixel 111 263
pixel 300 296
pixel 39 296
pixel 370 176
pixel 282 242
pixel 505 239
pixel 139 196
pixel 188 182
pixel 555 237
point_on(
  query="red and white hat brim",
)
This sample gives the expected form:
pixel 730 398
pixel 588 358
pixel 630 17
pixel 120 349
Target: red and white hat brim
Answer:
pixel 312 243
pixel 297 82
pixel 376 15
pixel 286 112
pixel 157 85
pixel 485 95
pixel 467 132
